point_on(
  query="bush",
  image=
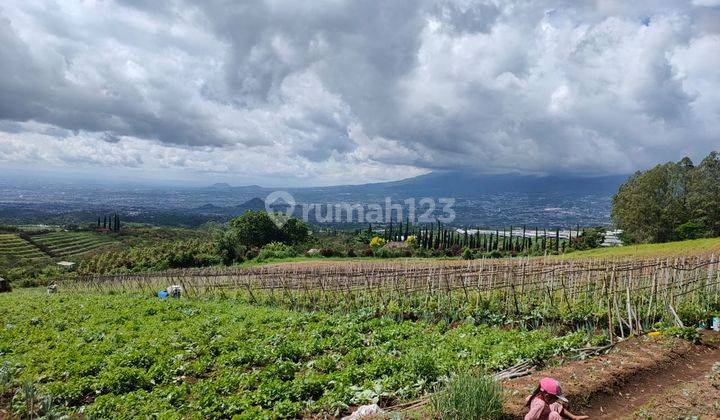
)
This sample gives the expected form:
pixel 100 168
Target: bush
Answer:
pixel 276 250
pixel 468 396
pixel 686 333
pixel 328 252
pixel 494 254
pixel 453 251
pixel 467 254
pixel 411 240
pixel 377 242
pixel 251 253
pixel 390 252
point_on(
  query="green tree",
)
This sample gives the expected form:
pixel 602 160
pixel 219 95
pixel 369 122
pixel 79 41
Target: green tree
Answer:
pixel 254 229
pixel 294 231
pixel 670 201
pixel 704 196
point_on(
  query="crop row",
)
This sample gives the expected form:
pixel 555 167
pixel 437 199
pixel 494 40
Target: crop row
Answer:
pixel 622 297
pixel 64 244
pixel 16 246
pixel 124 356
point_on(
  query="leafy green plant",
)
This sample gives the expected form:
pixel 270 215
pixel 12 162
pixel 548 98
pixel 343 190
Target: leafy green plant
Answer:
pixel 468 396
pixel 127 355
pixel 6 377
pixel 686 333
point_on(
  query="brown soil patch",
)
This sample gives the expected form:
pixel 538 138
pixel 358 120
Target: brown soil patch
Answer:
pixel 634 373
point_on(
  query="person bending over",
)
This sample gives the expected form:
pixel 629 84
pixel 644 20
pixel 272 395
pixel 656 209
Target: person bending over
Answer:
pixel 545 402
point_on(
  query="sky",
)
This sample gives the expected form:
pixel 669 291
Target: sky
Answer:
pixel 324 92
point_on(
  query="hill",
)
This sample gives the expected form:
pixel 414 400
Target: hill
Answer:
pixel 465 184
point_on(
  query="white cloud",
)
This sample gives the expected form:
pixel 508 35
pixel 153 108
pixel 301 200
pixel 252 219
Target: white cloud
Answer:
pixel 332 91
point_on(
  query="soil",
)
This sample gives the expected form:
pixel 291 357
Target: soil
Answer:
pixel 640 378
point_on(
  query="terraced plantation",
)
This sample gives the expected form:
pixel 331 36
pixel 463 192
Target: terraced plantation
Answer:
pixel 11 244
pixel 63 244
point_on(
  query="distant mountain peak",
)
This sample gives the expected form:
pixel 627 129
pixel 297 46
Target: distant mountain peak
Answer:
pixel 253 204
pixel 221 185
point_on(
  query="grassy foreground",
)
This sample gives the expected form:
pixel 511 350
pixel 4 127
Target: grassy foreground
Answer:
pixel 124 356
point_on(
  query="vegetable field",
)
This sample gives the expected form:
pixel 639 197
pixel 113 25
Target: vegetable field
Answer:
pixel 619 296
pixel 14 245
pixel 122 356
pixel 65 244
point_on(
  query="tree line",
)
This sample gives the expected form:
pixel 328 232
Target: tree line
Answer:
pixel 672 201
pixel 111 222
pixel 530 241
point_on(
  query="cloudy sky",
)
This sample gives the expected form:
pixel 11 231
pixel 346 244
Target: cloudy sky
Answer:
pixel 285 92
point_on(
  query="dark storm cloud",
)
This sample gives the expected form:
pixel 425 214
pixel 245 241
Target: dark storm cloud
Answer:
pixel 540 87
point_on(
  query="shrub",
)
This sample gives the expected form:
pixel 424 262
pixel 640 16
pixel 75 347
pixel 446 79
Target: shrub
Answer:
pixel 686 333
pixel 467 254
pixel 328 252
pixel 468 396
pixel 275 250
pixel 453 251
pixel 377 242
pixel 411 240
pixel 252 253
pixel 393 252
pixel 494 254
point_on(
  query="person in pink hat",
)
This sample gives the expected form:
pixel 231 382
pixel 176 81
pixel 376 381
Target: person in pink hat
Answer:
pixel 545 402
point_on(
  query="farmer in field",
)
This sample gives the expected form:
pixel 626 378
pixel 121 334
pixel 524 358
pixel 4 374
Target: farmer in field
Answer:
pixel 545 403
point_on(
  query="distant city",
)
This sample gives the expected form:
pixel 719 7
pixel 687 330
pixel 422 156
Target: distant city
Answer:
pixel 479 202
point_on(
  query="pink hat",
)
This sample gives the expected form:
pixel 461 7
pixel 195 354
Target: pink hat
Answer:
pixel 552 387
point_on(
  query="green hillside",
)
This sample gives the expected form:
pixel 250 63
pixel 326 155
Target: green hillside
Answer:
pixel 64 244
pixel 13 245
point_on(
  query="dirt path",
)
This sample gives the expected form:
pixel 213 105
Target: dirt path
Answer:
pixel 646 377
pixel 630 396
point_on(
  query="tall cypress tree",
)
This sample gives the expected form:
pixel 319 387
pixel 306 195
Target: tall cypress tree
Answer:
pixel 557 241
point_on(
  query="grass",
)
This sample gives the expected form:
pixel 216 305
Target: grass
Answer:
pixel 668 249
pixel 468 396
pixel 139 356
